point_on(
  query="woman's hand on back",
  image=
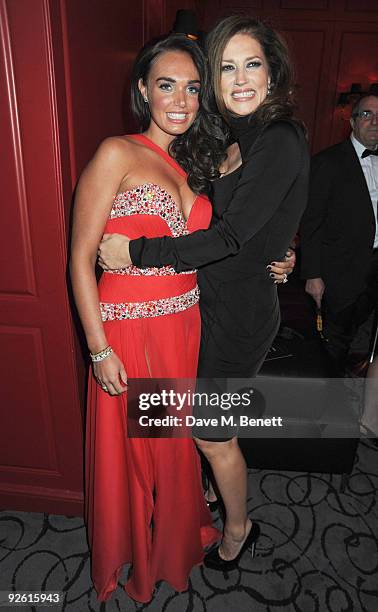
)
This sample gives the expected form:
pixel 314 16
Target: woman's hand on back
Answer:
pixel 280 270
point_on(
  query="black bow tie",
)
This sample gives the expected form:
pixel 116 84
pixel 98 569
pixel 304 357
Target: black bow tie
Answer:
pixel 368 152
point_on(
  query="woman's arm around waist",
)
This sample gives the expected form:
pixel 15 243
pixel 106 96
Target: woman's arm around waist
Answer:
pixel 268 173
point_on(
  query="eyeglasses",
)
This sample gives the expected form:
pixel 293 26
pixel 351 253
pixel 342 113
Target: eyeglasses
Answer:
pixel 366 115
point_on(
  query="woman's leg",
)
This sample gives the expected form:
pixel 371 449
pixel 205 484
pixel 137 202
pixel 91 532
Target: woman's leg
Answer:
pixel 230 473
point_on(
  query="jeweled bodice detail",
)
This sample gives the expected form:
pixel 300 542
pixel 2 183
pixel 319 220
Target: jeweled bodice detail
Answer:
pixel 149 199
pixel 151 308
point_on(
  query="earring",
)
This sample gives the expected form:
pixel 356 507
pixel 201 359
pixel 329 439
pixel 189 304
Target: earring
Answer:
pixel 269 90
pixel 145 99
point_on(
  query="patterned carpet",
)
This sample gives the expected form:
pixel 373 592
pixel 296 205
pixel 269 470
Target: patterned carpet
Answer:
pixel 318 552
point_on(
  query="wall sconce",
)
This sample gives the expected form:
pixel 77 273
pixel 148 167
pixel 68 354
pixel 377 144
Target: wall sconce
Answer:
pixel 355 92
pixel 186 23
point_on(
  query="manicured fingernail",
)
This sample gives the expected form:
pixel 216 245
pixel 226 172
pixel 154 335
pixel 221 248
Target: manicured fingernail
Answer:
pixel 271 275
pixel 269 267
pixel 275 282
pixel 274 263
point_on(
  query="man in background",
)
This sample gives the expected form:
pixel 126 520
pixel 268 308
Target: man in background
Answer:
pixel 339 234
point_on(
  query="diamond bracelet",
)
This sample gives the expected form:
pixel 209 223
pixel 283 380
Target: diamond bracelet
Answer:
pixel 101 355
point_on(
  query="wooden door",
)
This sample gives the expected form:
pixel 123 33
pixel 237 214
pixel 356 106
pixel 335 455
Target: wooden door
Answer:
pixel 41 421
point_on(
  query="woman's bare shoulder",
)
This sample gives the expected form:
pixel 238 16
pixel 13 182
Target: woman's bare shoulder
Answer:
pixel 116 147
pixel 115 156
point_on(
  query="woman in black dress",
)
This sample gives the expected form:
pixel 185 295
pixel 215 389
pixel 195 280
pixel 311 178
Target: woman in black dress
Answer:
pixel 258 203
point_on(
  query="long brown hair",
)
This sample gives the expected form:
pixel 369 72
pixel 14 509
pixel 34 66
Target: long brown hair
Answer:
pixel 279 104
pixel 201 149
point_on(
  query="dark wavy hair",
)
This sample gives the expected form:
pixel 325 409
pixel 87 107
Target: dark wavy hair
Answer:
pixel 279 104
pixel 201 149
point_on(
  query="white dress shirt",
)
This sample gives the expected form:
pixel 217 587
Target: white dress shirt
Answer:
pixel 369 167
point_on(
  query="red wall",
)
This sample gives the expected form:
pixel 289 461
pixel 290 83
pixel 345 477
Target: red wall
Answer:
pixel 41 427
pixel 100 41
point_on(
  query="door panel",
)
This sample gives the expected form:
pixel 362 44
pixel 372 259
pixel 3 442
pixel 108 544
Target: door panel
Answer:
pixel 41 426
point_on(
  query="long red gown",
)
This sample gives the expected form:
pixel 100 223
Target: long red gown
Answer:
pixel 152 321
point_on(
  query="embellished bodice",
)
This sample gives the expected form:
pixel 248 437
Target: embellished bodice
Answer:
pixel 150 210
pixel 149 200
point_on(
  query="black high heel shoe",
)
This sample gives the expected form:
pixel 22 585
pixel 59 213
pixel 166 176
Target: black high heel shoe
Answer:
pixel 215 562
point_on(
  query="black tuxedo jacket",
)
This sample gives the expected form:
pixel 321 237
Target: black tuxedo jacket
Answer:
pixel 338 227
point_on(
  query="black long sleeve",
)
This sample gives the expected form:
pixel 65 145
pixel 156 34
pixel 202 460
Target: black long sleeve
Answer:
pixel 269 171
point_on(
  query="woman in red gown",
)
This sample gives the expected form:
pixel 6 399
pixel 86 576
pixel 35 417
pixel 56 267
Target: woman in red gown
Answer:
pixel 144 499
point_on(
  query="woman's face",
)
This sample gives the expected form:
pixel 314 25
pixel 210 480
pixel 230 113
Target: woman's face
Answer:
pixel 172 90
pixel 245 75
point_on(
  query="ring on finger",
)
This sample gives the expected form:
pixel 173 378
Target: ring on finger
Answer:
pixel 285 279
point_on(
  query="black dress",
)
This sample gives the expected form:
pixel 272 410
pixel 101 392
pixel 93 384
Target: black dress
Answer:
pixel 257 209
